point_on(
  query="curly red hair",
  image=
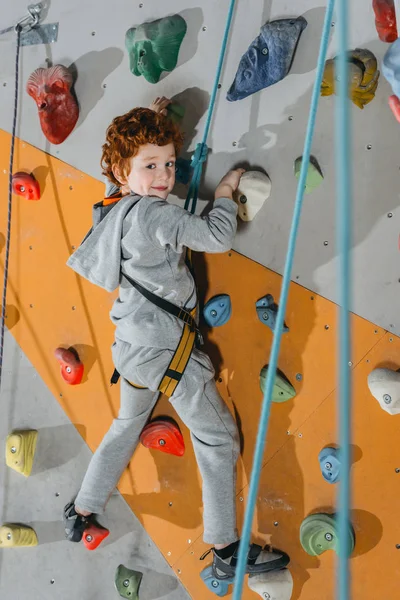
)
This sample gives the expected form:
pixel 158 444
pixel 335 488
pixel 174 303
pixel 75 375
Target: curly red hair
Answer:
pixel 130 131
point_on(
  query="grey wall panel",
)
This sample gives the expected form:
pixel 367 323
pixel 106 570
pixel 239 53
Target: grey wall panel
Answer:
pixel 255 132
pixel 57 568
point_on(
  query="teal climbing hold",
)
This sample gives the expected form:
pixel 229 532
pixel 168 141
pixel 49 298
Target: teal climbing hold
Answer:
pixel 176 112
pixel 217 311
pixel 154 47
pixel 282 390
pixel 319 533
pixel 314 173
pixel 127 582
pixel 220 587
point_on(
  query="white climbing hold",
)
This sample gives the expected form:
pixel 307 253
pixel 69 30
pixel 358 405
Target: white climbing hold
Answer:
pixel 254 189
pixel 384 385
pixel 272 585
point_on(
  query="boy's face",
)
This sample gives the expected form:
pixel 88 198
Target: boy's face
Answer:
pixel 153 171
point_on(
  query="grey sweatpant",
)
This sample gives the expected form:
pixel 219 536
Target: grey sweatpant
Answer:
pixel 197 402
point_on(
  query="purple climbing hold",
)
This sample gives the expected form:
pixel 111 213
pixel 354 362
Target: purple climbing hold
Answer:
pixel 268 59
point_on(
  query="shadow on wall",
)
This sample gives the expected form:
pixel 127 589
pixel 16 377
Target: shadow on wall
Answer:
pixel 90 71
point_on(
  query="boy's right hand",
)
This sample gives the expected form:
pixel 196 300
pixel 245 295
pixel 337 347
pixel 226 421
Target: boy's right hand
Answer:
pixel 229 184
pixel 160 105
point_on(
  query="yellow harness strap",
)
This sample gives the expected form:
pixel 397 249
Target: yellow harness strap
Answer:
pixel 179 361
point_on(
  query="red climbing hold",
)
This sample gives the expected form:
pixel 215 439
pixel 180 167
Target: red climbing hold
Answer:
pixel 58 108
pixel 94 535
pixel 385 20
pixel 71 366
pixel 394 103
pixel 163 434
pixel 25 185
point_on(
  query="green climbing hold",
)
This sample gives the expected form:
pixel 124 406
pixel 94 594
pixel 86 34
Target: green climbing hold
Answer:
pixel 283 389
pixel 127 582
pixel 154 47
pixel 176 112
pixel 319 533
pixel 314 173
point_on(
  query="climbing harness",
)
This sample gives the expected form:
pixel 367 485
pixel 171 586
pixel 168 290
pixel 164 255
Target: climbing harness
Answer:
pixel 191 334
pixel 343 134
pixel 201 151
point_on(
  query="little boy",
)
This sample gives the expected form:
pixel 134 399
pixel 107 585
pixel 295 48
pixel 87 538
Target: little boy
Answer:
pixel 140 245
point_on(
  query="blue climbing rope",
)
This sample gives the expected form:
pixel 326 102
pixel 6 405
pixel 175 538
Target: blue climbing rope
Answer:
pixel 201 151
pixel 273 362
pixel 344 223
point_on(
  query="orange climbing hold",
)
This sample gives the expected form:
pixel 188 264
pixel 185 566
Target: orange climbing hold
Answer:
pixel 56 102
pixel 94 535
pixel 25 185
pixel 163 434
pixel 71 367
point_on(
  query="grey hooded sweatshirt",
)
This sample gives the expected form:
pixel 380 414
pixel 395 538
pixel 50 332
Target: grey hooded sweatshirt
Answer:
pixel 146 238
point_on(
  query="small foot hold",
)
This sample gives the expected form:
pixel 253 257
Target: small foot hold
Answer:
pixel 319 533
pixel 314 173
pixel 330 464
pixel 253 190
pixel 176 112
pixel 282 390
pixel 163 434
pixel 218 310
pixel 58 109
pixel 127 582
pixel 94 534
pixel 20 451
pixel 218 586
pixel 275 585
pixel 70 366
pixel 25 185
pixel 267 311
pixel 13 535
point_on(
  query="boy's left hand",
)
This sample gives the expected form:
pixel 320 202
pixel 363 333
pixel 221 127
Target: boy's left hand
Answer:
pixel 160 105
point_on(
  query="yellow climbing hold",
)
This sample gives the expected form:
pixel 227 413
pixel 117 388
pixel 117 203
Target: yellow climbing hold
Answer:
pixel 20 450
pixel 364 77
pixel 16 536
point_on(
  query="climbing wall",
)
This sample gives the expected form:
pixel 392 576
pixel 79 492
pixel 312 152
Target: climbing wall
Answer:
pixel 265 130
pixel 49 306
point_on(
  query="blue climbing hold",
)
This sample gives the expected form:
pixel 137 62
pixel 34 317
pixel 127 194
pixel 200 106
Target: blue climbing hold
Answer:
pixel 220 587
pixel 330 464
pixel 391 67
pixel 218 310
pixel 183 170
pixel 268 59
pixel 267 312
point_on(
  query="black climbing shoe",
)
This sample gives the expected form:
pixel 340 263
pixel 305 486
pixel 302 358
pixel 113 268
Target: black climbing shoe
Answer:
pixel 74 524
pixel 259 560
